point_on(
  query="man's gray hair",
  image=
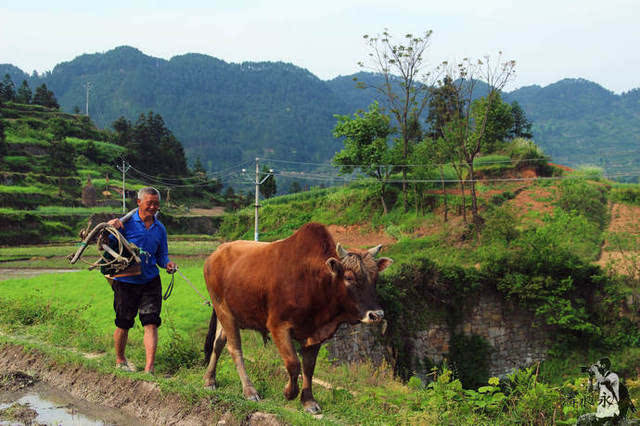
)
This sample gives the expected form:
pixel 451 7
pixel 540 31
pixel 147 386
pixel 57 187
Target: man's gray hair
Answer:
pixel 148 190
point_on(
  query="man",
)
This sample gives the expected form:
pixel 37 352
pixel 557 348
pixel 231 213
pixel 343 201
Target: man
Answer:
pixel 141 293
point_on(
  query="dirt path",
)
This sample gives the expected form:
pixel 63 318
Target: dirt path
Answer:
pixel 215 211
pixel 354 237
pixel 624 220
pixel 137 398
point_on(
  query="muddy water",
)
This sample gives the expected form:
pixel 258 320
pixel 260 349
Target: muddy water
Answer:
pixel 56 407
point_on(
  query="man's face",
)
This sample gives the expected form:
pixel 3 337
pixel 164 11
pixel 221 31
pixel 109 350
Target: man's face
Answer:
pixel 148 206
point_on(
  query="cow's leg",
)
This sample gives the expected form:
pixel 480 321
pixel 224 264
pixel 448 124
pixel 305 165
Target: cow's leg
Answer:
pixel 218 345
pixel 309 355
pixel 282 339
pixel 235 349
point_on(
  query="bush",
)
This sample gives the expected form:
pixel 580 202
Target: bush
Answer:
pixel 547 271
pixel 629 194
pixel 587 199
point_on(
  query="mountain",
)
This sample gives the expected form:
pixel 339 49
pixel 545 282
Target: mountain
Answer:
pixel 579 122
pixel 226 113
pixel 222 112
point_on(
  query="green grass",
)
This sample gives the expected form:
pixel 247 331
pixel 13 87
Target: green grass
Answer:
pixel 26 140
pixel 50 308
pixel 12 189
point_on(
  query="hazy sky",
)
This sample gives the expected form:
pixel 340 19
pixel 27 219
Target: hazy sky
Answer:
pixel 550 40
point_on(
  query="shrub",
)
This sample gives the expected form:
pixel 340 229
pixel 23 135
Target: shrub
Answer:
pixel 629 194
pixel 587 199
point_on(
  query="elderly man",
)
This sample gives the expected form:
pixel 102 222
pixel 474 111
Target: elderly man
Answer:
pixel 141 293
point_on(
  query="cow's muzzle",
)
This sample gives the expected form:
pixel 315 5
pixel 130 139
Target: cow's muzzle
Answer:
pixel 373 316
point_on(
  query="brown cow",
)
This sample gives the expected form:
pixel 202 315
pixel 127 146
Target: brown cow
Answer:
pixel 294 288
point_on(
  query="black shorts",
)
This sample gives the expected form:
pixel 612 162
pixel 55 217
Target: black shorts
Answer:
pixel 129 299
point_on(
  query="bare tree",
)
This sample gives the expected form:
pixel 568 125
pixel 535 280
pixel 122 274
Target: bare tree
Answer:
pixel 404 83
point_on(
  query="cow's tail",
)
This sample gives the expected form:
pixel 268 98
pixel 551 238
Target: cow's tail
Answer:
pixel 211 336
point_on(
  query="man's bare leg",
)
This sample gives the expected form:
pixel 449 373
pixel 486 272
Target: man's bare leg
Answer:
pixel 150 346
pixel 120 336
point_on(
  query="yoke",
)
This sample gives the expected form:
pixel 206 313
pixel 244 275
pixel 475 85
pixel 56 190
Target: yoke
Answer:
pixel 118 257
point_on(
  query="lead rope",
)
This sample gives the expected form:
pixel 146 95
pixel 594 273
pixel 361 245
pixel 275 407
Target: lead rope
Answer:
pixel 205 301
pixel 169 290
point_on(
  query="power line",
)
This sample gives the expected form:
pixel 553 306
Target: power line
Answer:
pixel 482 163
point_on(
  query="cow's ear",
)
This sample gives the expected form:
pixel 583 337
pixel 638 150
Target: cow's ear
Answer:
pixel 335 266
pixel 383 263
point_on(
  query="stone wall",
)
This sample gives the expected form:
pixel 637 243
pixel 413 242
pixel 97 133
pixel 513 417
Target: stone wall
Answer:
pixel 510 331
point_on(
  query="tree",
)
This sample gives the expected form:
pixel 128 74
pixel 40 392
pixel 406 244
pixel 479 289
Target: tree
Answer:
pixel 45 97
pixel 24 93
pixel 521 125
pixel 268 188
pixel 444 106
pixel 499 121
pixel 7 89
pixel 124 131
pixel 154 149
pixel 62 154
pixel 404 89
pixel 468 132
pixel 366 146
pixel 198 168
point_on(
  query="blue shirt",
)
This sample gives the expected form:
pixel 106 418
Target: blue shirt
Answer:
pixel 153 246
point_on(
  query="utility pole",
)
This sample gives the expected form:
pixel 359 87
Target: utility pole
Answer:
pixel 255 233
pixel 123 169
pixel 258 182
pixel 87 85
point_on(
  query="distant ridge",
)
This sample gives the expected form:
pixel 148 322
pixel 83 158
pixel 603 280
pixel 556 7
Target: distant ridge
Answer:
pixel 226 112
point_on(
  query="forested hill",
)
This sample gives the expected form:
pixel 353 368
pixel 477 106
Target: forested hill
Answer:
pixel 579 122
pixel 222 112
pixel 226 113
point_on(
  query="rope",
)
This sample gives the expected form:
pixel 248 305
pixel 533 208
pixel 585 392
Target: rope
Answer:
pixel 205 301
pixel 169 290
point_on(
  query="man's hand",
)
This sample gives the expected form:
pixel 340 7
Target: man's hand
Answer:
pixel 115 223
pixel 171 267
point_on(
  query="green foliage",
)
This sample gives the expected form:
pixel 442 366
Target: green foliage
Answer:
pixel 625 193
pixel 501 224
pixel 45 97
pixel 498 121
pixel 521 124
pixel 7 89
pixel 154 149
pixel 526 153
pixel 24 93
pixel 546 269
pixel 585 198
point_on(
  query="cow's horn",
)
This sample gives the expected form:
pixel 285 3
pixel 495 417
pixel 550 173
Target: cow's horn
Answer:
pixel 342 253
pixel 374 250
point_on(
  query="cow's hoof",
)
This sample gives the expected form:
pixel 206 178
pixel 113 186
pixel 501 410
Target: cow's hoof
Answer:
pixel 291 391
pixel 210 387
pixel 312 407
pixel 251 394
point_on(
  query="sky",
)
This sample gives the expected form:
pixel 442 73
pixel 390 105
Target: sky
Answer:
pixel 549 40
